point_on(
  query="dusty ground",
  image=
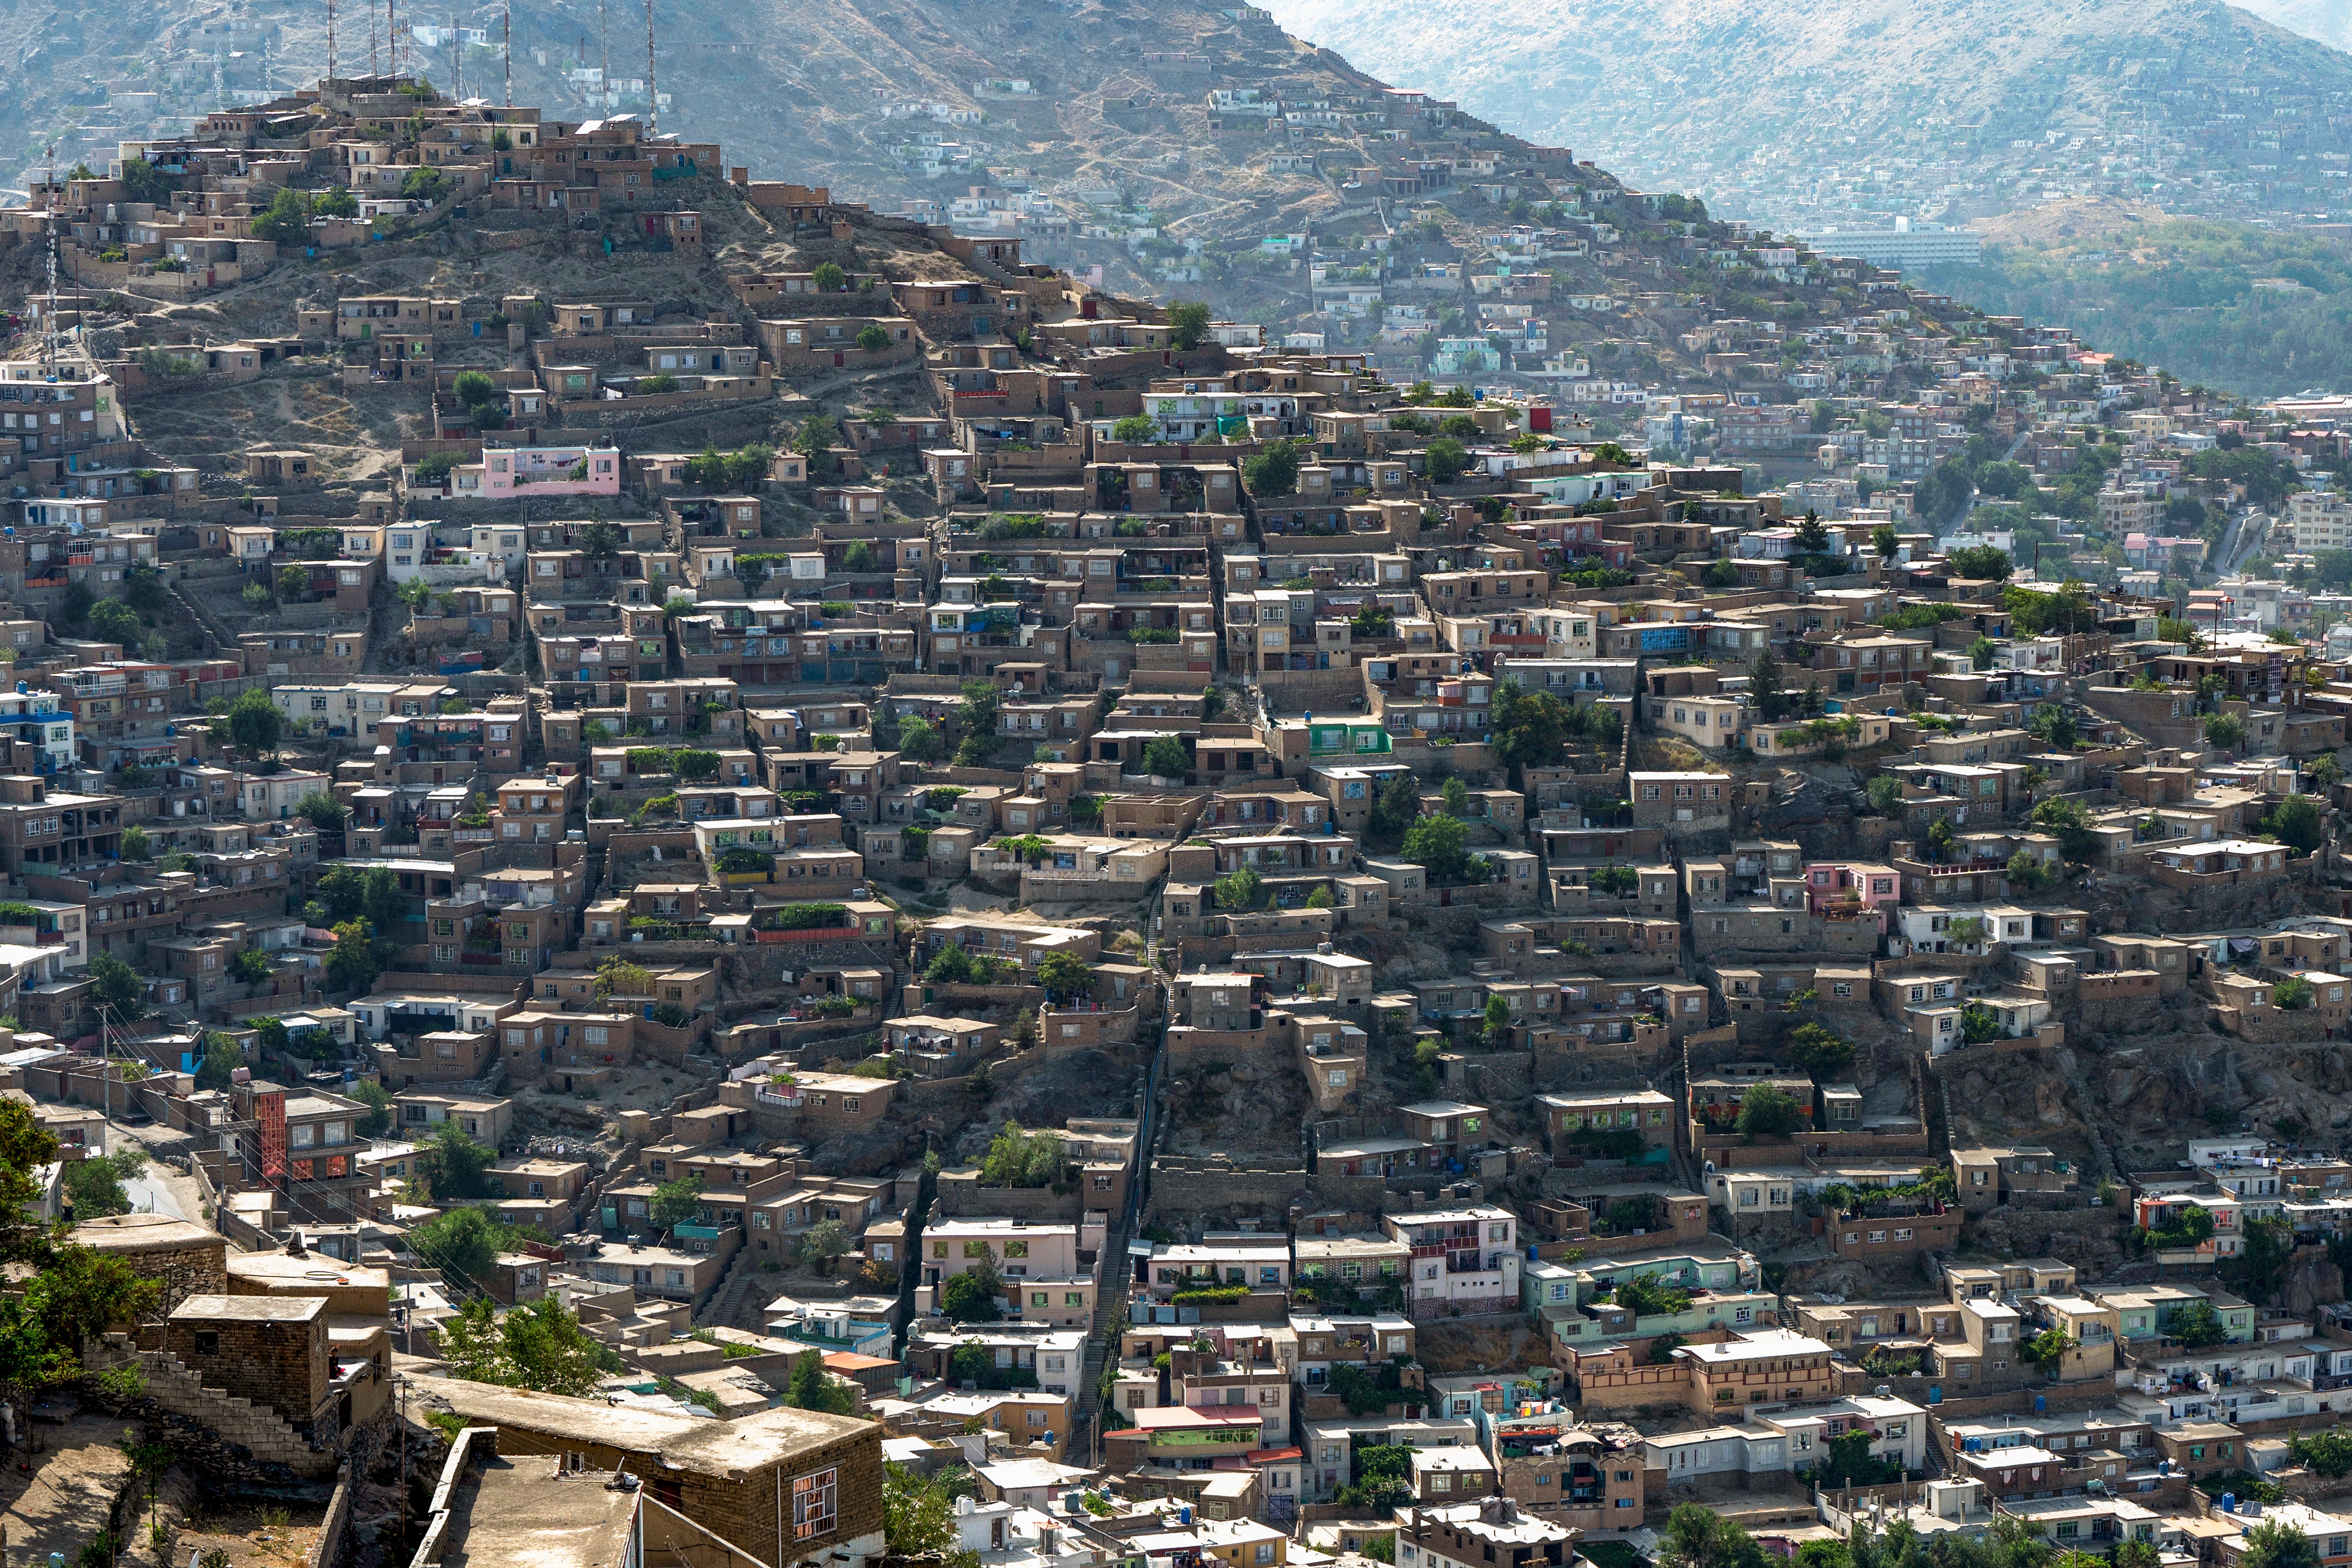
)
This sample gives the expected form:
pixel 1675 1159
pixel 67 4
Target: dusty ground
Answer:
pixel 2057 222
pixel 68 1502
pixel 275 1536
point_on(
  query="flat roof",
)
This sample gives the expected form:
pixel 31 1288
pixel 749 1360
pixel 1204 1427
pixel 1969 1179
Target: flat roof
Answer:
pixel 732 1449
pixel 520 1510
pixel 249 1308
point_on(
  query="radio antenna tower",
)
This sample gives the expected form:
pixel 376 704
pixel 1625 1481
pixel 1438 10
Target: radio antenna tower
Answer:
pixel 507 49
pixel 330 40
pixel 653 104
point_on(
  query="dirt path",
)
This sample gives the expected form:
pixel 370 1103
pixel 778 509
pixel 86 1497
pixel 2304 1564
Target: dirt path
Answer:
pixel 66 1501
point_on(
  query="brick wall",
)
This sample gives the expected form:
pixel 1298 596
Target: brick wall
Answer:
pixel 188 1261
pixel 280 1365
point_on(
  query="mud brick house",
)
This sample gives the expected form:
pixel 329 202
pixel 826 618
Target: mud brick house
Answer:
pixel 271 1350
pixel 794 1488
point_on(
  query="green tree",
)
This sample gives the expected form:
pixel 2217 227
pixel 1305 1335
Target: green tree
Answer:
pixel 1457 796
pixel 828 278
pixel 1135 430
pixel 1978 1023
pixel 1165 758
pixel 1498 1021
pixel 1189 321
pixel 252 724
pixel 1813 534
pixel 1016 1157
pixel 1435 843
pixel 474 388
pixel 918 1518
pixel 118 989
pixel 462 1241
pixel 1976 563
pixel 378 1120
pixel 2297 823
pixel 919 741
pixel 2275 1542
pixel 677 1202
pixel 811 1389
pixel 353 965
pixel 111 621
pixel 1983 652
pixel 286 219
pixel 2056 726
pixel 540 1345
pixel 424 183
pixel 1764 689
pixel 1884 794
pixel 1885 542
pixel 136 845
pixel 222 1056
pixel 2047 1349
pixel 1273 471
pixel 1447 459
pixel 873 338
pixel 1698 1537
pixel 1240 889
pixel 1065 975
pixel 454 1161
pixel 1768 1112
pixel 251 966
pixel 334 202
pixel 94 1183
pixel 970 1297
pixel 323 812
pixel 2327 1452
pixel 1819 1053
pixel 2197 1325
pixel 2225 732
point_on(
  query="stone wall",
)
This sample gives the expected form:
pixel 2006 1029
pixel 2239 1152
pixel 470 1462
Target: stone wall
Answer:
pixel 275 1363
pixel 221 1433
pixel 188 1260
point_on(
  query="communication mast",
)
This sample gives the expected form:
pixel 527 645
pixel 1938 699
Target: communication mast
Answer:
pixel 506 47
pixel 653 104
pixel 49 313
pixel 330 40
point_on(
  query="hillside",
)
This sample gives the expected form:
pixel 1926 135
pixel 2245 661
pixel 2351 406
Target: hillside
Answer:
pixel 1770 113
pixel 2258 312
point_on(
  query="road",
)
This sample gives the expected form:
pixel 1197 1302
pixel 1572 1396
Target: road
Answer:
pixel 158 1189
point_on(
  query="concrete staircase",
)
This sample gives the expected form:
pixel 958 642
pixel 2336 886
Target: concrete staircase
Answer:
pixel 1110 1299
pixel 238 1422
pixel 734 1292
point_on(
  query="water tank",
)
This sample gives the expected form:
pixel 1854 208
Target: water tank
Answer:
pixel 2040 1404
pixel 2229 1502
pixel 1184 1514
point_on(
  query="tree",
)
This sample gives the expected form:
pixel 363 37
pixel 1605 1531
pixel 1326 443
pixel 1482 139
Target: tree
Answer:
pixel 222 1055
pixel 1978 1023
pixel 1065 976
pixel 1397 807
pixel 2071 822
pixel 1813 534
pixel 251 966
pixel 461 1241
pixel 2327 1452
pixel 1884 794
pixel 143 181
pixel 354 966
pixel 323 812
pixel 118 989
pixel 136 845
pixel 921 741
pixel 334 202
pixel 1764 689
pixel 1447 458
pixel 919 1517
pixel 828 278
pixel 1188 322
pixel 1240 889
pixel 286 219
pixel 378 1120
pixel 970 1297
pixel 824 1241
pixel 677 1202
pixel 618 976
pixel 424 183
pixel 1819 1053
pixel 600 543
pixel 474 388
pixel 2274 1542
pixel 1135 430
pixel 111 621
pixel 454 1161
pixel 252 724
pixel 2038 612
pixel 94 1184
pixel 2225 731
pixel 2197 1325
pixel 873 338
pixel 1498 1021
pixel 293 582
pixel 1983 652
pixel 1019 1158
pixel 1166 758
pixel 1273 471
pixel 1885 542
pixel 1977 563
pixel 2047 1349
pixel 2054 724
pixel 1435 843
pixel 1698 1537
pixel 811 1389
pixel 2297 823
pixel 2292 994
pixel 540 1345
pixel 1766 1111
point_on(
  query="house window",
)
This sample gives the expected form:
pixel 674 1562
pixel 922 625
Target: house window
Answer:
pixel 814 1499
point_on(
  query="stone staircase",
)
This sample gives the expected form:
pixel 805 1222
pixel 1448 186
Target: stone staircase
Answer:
pixel 252 1434
pixel 1110 1299
pixel 734 1291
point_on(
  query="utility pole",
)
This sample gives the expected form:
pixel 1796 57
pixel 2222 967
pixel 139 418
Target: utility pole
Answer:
pixel 507 49
pixel 330 40
pixel 653 103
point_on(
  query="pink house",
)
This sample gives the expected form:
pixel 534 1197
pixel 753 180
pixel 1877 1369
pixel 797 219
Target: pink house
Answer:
pixel 1877 888
pixel 542 470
